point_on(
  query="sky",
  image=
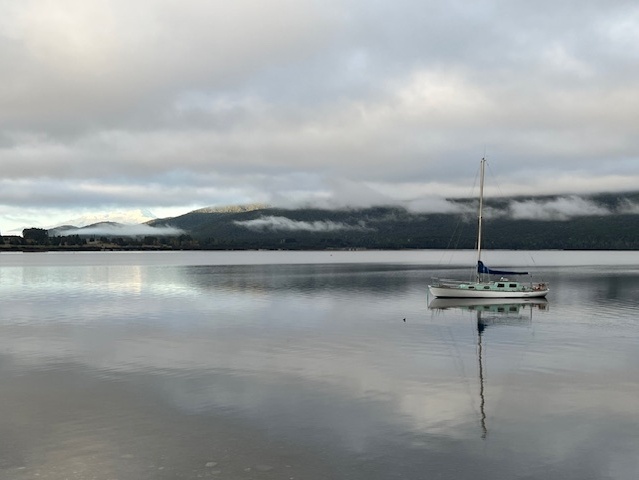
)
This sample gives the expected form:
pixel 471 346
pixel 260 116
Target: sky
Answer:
pixel 170 106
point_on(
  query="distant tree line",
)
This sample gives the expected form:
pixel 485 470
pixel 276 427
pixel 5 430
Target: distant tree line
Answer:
pixel 38 238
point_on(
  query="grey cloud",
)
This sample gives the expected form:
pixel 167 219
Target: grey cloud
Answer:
pixel 334 193
pixel 104 60
pixel 206 103
pixel 117 193
pixel 438 205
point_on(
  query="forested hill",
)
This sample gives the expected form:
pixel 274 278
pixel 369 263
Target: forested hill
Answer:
pixel 606 221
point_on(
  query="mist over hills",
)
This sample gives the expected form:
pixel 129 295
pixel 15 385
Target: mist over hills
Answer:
pixel 601 221
pixel 114 229
pixel 113 217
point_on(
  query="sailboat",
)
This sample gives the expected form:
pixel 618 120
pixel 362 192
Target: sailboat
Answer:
pixel 483 286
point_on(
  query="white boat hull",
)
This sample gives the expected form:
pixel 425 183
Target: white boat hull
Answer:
pixel 454 292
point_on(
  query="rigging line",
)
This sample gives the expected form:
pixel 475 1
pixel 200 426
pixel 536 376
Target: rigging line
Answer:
pixel 493 176
pixel 457 234
pixel 498 187
pixel 472 271
pixel 501 195
pixel 460 221
pixel 532 259
pixel 455 237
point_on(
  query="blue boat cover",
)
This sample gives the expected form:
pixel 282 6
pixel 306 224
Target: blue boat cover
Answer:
pixel 481 268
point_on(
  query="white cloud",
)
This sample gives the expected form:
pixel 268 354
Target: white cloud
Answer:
pixel 286 224
pixel 124 231
pixel 629 207
pixel 556 209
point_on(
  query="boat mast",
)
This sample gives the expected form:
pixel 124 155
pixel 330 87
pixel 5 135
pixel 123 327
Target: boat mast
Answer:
pixel 481 207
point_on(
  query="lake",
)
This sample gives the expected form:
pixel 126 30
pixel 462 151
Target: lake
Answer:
pixel 315 365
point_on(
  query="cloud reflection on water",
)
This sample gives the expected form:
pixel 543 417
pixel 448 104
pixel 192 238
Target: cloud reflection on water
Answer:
pixel 320 355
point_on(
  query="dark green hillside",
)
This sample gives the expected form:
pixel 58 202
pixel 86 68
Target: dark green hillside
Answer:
pixel 380 227
pixel 611 232
pixel 395 228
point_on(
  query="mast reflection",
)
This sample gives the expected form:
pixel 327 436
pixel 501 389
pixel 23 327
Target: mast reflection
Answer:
pixel 490 312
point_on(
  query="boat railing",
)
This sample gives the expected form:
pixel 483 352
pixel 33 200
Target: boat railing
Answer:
pixel 449 281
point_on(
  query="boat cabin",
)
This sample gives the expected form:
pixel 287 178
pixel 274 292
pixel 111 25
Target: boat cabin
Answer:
pixel 503 285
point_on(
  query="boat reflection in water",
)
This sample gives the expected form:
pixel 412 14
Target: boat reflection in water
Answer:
pixel 493 310
pixel 504 311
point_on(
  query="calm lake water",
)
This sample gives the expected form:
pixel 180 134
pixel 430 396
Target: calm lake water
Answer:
pixel 314 365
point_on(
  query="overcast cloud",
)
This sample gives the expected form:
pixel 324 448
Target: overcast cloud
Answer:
pixel 173 106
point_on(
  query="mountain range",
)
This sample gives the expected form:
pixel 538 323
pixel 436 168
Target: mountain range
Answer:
pixel 602 221
pixel 125 217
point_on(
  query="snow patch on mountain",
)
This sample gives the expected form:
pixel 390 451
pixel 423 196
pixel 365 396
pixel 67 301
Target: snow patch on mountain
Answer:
pixel 127 217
